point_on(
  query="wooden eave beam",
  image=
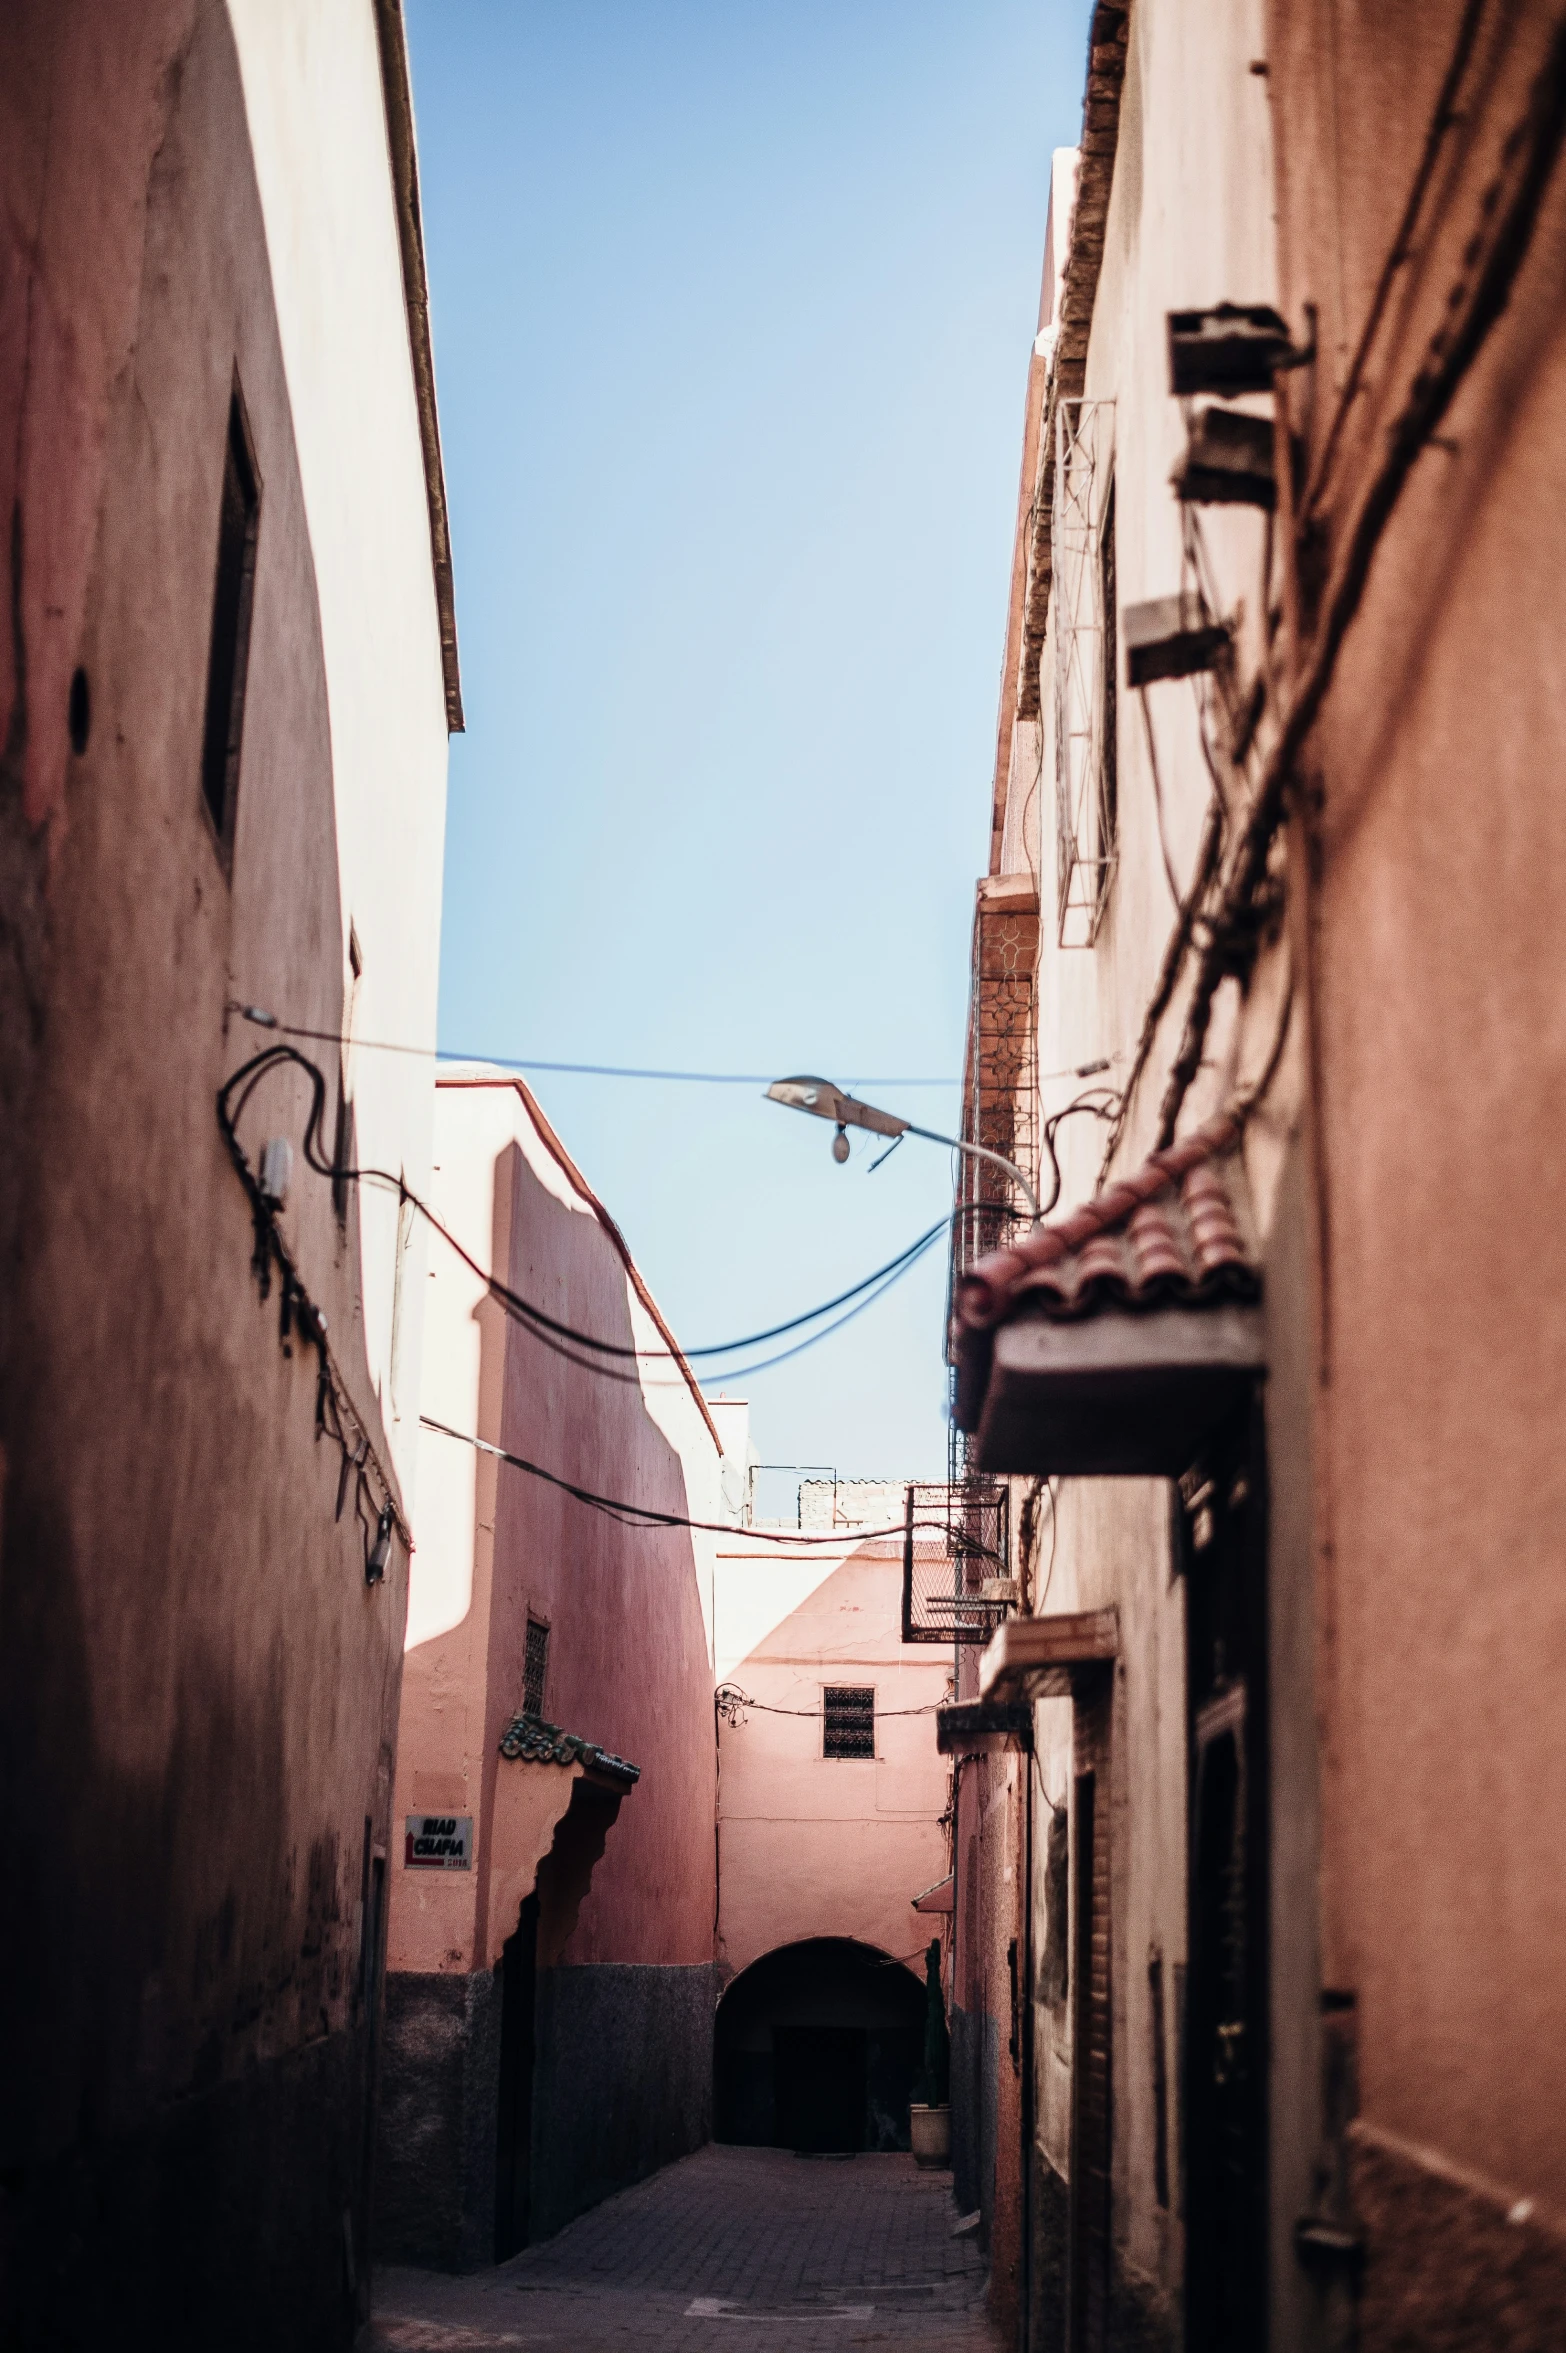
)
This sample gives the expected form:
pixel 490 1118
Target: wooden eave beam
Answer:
pixel 1045 1658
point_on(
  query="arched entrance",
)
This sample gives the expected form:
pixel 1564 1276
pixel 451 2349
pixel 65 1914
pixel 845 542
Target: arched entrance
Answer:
pixel 817 2047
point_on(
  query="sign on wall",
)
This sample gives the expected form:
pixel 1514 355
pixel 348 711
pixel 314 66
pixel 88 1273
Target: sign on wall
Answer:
pixel 439 1842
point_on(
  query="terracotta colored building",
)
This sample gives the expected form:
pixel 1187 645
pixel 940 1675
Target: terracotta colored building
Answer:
pixel 831 1820
pixel 227 677
pixel 550 1982
pixel 1282 706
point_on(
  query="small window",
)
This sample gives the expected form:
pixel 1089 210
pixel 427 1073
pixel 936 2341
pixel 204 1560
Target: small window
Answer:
pixel 535 1667
pixel 228 658
pixel 848 1721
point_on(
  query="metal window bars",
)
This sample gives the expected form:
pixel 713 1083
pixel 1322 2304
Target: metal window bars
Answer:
pixel 848 1720
pixel 1084 774
pixel 957 1581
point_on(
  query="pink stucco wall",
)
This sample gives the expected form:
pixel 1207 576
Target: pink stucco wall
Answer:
pixel 198 1685
pixel 629 1660
pixel 812 1846
pixel 1440 938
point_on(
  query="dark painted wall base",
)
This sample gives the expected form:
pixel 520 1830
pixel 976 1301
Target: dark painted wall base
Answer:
pixel 1142 2319
pixel 1447 2268
pixel 1051 2220
pixel 234 2218
pixel 975 2092
pixel 622 2085
pixel 624 2081
pixel 435 2163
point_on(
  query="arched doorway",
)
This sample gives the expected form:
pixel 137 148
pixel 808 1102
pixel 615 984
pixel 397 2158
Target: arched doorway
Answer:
pixel 817 2047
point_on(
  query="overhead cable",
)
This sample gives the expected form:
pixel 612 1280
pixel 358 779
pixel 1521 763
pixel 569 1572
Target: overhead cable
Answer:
pixel 260 1018
pixel 249 1076
pixel 641 1515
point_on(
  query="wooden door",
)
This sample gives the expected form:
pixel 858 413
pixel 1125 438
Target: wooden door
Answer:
pixel 514 2122
pixel 1226 1996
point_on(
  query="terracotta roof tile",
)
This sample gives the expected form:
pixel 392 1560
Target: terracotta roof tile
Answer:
pixel 528 1740
pixel 1165 1235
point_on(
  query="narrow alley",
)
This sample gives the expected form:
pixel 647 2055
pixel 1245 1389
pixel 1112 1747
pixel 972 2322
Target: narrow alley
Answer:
pixel 782 1499
pixel 752 2248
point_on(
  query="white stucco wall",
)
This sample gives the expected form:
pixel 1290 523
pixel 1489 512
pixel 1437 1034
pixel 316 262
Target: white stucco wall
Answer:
pixel 313 94
pixel 1190 223
pixel 475 1125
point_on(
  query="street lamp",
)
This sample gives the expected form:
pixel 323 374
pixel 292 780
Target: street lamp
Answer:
pixel 825 1101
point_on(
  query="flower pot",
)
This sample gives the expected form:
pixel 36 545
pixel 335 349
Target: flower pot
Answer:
pixel 930 2130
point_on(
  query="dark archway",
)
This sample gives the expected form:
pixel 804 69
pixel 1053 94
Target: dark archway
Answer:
pixel 817 2047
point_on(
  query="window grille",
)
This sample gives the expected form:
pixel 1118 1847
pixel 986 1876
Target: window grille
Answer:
pixel 848 1720
pixel 1084 668
pixel 535 1666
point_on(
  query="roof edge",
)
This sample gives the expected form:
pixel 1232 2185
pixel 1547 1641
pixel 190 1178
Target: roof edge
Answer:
pixel 397 89
pixel 563 1160
pixel 1108 48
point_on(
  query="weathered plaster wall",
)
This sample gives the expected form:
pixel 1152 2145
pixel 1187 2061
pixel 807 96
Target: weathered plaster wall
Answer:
pixel 199 1689
pixel 1188 222
pixel 1441 1344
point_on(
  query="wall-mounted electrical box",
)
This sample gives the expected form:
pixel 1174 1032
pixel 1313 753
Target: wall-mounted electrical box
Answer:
pixel 1233 349
pixel 1227 461
pixel 277 1169
pixel 1170 637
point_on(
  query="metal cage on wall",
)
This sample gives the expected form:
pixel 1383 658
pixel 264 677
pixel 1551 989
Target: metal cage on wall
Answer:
pixel 1083 613
pixel 957 1583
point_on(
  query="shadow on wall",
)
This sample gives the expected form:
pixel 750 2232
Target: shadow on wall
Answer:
pixel 818 2047
pixel 198 1712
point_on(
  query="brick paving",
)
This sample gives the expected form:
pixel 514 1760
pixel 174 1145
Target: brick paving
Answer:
pixel 729 2251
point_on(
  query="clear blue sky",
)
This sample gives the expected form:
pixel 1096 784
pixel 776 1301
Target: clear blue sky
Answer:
pixel 732 307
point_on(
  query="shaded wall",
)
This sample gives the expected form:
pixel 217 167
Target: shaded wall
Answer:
pixel 621 2077
pixel 1438 930
pixel 198 1687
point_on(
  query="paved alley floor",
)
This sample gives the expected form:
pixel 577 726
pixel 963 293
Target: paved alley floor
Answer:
pixel 729 2251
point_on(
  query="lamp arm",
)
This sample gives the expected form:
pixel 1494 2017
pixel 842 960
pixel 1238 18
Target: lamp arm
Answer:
pixel 996 1160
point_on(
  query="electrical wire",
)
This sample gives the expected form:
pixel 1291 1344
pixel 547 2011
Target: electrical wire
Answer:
pixel 336 1415
pixel 1158 797
pixel 1491 261
pixel 276 1057
pixel 260 1018
pixel 731 1696
pixel 1099 1103
pixel 1400 250
pixel 748 1372
pixel 639 1515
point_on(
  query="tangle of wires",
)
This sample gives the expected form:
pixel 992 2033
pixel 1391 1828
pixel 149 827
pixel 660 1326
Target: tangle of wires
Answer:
pixel 610 1359
pixel 334 1406
pixel 1235 894
pixel 363 1477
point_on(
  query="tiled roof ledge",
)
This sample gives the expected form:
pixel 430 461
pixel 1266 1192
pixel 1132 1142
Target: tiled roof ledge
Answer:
pixel 529 1740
